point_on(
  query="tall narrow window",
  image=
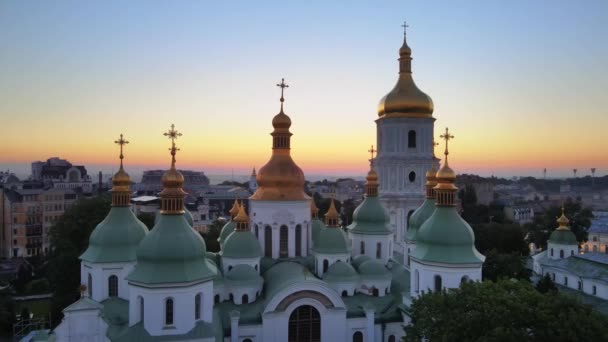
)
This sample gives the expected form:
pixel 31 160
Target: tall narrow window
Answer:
pixel 358 337
pixel 304 325
pixel 113 286
pixel 438 284
pixel 561 253
pixel 362 247
pixel 283 242
pixel 245 299
pixel 169 311
pixel 298 240
pixel 90 285
pixel 141 308
pixel 379 250
pixel 391 338
pixel 257 236
pixel 411 139
pixel 566 281
pixel 594 290
pixel 197 306
pixel 551 251
pixel 325 265
pixel 268 241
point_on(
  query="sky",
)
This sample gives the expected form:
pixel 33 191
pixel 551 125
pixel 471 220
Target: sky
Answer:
pixel 521 84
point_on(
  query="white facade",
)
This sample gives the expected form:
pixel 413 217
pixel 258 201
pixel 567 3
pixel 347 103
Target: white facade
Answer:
pixel 560 251
pixel 379 247
pixel 427 277
pixel 96 276
pixel 324 261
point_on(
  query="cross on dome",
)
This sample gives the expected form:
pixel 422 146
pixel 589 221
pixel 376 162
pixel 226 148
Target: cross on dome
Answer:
pixel 121 142
pixel 372 151
pixel 173 134
pixel 282 85
pixel 405 26
pixel 447 137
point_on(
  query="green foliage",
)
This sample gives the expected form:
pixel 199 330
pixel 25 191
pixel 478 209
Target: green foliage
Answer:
pixel 212 234
pixel 504 265
pixel 7 313
pixel 147 219
pixel 506 310
pixel 546 284
pixel 38 286
pixel 544 224
pixel 69 239
pixel 504 238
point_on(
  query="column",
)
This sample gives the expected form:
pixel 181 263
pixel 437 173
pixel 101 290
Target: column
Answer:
pixel 275 242
pixel 369 324
pixel 234 326
pixel 291 241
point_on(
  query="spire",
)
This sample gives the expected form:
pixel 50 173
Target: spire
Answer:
pixel 121 182
pixel 332 216
pixel 281 123
pixel 314 211
pixel 253 174
pixel 563 221
pixel 241 219
pixel 445 190
pixel 235 208
pixel 371 187
pixel 405 53
pixel 172 195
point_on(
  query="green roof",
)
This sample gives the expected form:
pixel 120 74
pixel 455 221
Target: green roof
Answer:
pixel 171 253
pixel 371 218
pixel 359 259
pixel 317 227
pixel 419 217
pixel 227 229
pixel 188 216
pixel 116 238
pixel 241 244
pixel 284 274
pixel 332 241
pixel 84 303
pixel 374 269
pixel 340 272
pixel 446 238
pixel 563 237
pixel 244 275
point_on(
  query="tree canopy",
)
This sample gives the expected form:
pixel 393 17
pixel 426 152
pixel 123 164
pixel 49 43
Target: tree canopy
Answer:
pixel 507 310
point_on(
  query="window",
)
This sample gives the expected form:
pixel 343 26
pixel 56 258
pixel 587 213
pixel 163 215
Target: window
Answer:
pixel 256 232
pixel 375 292
pixel 245 299
pixel 325 265
pixel 595 239
pixel 304 325
pixel 231 297
pixel 268 241
pixel 169 311
pixel 595 248
pixel 412 176
pixel 344 293
pixel 358 337
pixel 141 308
pixel 378 250
pixel 416 281
pixel 551 251
pixel 216 298
pixel 594 290
pixel 561 253
pixel 362 247
pixel 197 306
pixel 411 139
pixel 566 281
pixel 283 242
pixel 438 285
pixel 113 286
pixel 391 338
pixel 90 284
pixel 580 285
pixel 464 279
pixel 571 253
pixel 298 240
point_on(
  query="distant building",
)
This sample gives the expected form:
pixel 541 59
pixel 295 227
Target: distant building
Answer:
pixel 194 181
pixel 597 240
pixel 521 214
pixel 61 174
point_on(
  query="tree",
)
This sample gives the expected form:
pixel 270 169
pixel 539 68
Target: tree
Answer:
pixel 212 234
pixel 546 284
pixel 544 224
pixel 504 238
pixel 507 310
pixel 7 313
pixel 147 219
pixel 69 239
pixel 504 266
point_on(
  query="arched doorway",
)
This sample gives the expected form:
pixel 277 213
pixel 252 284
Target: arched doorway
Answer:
pixel 305 325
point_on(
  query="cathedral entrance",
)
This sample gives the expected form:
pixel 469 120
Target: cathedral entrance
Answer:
pixel 305 325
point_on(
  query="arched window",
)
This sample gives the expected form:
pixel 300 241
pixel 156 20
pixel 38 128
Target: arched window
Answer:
pixel 561 253
pixel 566 281
pixel 90 285
pixel 257 236
pixel 344 293
pixel 268 241
pixel 438 285
pixel 358 337
pixel 571 253
pixel 231 297
pixel 298 240
pixel 245 299
pixel 411 139
pixel 113 286
pixel 304 325
pixel 551 251
pixel 325 265
pixel 580 285
pixel 412 176
pixel 283 242
pixel 169 311
pixel 141 308
pixel 375 292
pixel 216 298
pixel 197 306
pixel 594 290
pixel 391 338
pixel 378 250
pixel 416 281
pixel 362 247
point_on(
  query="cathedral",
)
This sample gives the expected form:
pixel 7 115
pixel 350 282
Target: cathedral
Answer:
pixel 283 273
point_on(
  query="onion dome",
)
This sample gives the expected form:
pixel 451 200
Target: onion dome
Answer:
pixel 280 179
pixel 340 272
pixel 241 243
pixel 116 238
pixel 420 215
pixel 332 217
pixel 405 100
pixel 370 217
pixel 244 275
pixel 229 227
pixel 374 269
pixel 235 209
pixel 331 239
pixel 563 235
pixel 188 216
pixel 172 252
pixel 445 237
pixel 317 225
pixel 360 259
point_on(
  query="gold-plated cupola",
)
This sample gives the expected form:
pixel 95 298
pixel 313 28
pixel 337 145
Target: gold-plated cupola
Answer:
pixel 445 190
pixel 172 195
pixel 121 182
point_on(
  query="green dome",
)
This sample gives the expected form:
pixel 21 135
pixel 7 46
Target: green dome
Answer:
pixel 359 259
pixel 244 274
pixel 226 230
pixel 332 241
pixel 374 269
pixel 445 237
pixel 171 253
pixel 189 217
pixel 419 217
pixel 116 238
pixel 563 237
pixel 370 218
pixel 340 272
pixel 241 244
pixel 317 227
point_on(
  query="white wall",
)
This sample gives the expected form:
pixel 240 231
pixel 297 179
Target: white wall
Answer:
pixel 371 242
pixel 422 276
pixel 100 274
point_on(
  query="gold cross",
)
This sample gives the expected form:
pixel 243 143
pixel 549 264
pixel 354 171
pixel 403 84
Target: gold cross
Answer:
pixel 173 134
pixel 447 137
pixel 372 151
pixel 282 85
pixel 405 26
pixel 121 141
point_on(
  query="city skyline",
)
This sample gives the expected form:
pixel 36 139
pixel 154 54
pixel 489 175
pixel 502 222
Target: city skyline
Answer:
pixel 520 94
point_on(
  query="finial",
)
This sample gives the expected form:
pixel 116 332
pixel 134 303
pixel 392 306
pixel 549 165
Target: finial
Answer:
pixel 372 151
pixel 173 134
pixel 447 137
pixel 563 221
pixel 405 26
pixel 282 85
pixel 121 142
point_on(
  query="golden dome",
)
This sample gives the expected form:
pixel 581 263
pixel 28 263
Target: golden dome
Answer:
pixel 241 216
pixel 405 100
pixel 235 209
pixel 121 182
pixel 172 178
pixel 563 221
pixel 332 216
pixel 431 174
pixel 371 186
pixel 313 208
pixel 281 122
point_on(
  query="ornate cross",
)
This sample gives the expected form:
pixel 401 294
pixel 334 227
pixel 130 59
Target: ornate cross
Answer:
pixel 372 151
pixel 121 141
pixel 405 26
pixel 173 134
pixel 282 85
pixel 447 137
